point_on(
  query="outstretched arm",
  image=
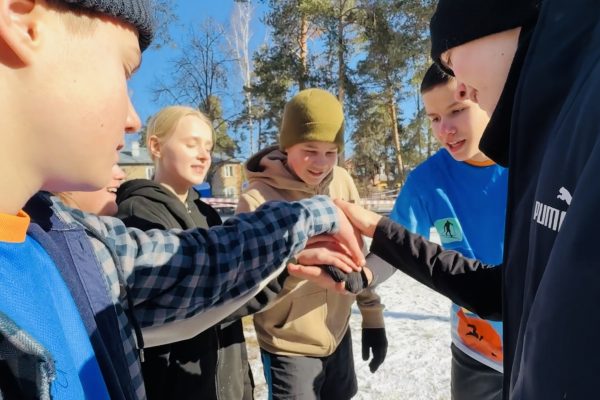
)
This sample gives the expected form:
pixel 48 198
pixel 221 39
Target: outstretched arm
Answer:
pixel 175 275
pixel 469 283
pixel 321 253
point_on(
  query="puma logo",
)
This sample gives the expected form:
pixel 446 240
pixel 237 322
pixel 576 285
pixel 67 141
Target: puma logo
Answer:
pixel 551 217
pixel 564 195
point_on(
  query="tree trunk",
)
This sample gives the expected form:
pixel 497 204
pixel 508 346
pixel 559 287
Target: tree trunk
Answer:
pixel 341 75
pixel 303 42
pixel 396 135
pixel 419 125
pixel 341 61
pixel 250 120
pixel 239 42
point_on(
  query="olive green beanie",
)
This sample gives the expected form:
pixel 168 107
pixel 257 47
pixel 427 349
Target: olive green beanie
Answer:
pixel 312 115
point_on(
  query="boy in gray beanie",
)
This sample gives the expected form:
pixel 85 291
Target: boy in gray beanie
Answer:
pixel 63 72
pixel 76 288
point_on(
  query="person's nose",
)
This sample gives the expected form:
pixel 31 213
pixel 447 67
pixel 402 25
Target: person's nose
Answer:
pixel 133 123
pixel 446 129
pixel 320 160
pixel 203 153
pixel 119 174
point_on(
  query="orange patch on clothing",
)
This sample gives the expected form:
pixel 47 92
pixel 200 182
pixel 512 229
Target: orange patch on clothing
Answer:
pixel 13 228
pixel 480 336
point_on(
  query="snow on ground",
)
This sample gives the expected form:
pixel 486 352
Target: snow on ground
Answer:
pixel 417 366
pixel 418 362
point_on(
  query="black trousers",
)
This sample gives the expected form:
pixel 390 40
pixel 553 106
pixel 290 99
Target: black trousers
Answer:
pixel 312 378
pixel 472 380
pixel 211 366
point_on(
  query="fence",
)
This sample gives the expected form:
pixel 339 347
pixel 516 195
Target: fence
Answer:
pixel 377 205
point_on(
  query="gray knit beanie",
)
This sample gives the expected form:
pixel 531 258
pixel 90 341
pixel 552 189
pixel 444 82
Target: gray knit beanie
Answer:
pixel 135 12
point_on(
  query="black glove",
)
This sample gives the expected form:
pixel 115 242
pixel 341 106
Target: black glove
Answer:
pixel 355 282
pixel 336 274
pixel 375 340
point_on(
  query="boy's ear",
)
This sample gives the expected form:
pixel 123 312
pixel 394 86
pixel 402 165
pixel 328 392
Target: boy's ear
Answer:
pixel 19 30
pixel 154 146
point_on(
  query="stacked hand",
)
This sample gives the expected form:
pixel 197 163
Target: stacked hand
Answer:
pixel 354 282
pixel 340 253
pixel 348 238
pixel 322 257
pixel 334 263
pixel 363 220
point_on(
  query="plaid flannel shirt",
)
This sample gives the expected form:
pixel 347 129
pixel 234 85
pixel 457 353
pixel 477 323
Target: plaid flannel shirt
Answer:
pixel 173 275
pixel 31 361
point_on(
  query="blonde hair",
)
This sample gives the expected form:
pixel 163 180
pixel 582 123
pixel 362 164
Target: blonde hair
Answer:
pixel 164 122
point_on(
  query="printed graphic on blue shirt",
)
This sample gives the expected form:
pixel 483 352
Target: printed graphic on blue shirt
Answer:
pixel 449 230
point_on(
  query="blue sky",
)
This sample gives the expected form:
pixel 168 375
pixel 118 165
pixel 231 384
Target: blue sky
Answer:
pixel 192 13
pixel 156 61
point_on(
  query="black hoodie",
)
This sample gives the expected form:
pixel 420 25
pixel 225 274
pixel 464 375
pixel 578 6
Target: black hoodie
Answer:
pixel 214 364
pixel 146 205
pixel 549 121
pixel 551 268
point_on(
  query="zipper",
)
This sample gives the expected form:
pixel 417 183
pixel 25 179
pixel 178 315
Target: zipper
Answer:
pixel 217 387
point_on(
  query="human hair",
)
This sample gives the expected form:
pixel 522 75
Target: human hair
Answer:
pixel 82 16
pixel 434 76
pixel 164 122
pixel 77 20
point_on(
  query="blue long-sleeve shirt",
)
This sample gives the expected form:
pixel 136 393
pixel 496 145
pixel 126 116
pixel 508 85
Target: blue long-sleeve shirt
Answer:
pixel 466 205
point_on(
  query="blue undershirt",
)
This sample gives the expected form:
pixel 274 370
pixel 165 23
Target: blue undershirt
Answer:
pixel 36 298
pixel 466 205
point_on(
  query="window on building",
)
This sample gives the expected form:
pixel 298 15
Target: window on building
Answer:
pixel 228 171
pixel 229 192
pixel 149 172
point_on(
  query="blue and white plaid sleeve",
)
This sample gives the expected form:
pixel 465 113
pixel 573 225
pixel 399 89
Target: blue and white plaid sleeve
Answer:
pixel 27 362
pixel 175 274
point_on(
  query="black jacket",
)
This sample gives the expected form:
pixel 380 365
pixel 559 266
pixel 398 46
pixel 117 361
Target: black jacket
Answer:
pixel 551 268
pixel 147 205
pixel 548 118
pixel 214 364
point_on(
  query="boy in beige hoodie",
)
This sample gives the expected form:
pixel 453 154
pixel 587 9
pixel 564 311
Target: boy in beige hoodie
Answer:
pixel 304 338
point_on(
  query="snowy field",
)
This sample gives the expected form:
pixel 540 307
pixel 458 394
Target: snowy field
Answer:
pixel 417 366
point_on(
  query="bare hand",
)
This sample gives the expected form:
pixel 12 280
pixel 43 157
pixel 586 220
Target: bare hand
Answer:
pixel 350 238
pixel 362 219
pixel 327 253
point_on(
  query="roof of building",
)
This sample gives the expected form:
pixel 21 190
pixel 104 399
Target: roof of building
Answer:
pixel 218 160
pixel 142 158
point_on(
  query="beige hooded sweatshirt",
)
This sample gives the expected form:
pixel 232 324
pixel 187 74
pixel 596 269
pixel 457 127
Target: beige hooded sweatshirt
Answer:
pixel 305 319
